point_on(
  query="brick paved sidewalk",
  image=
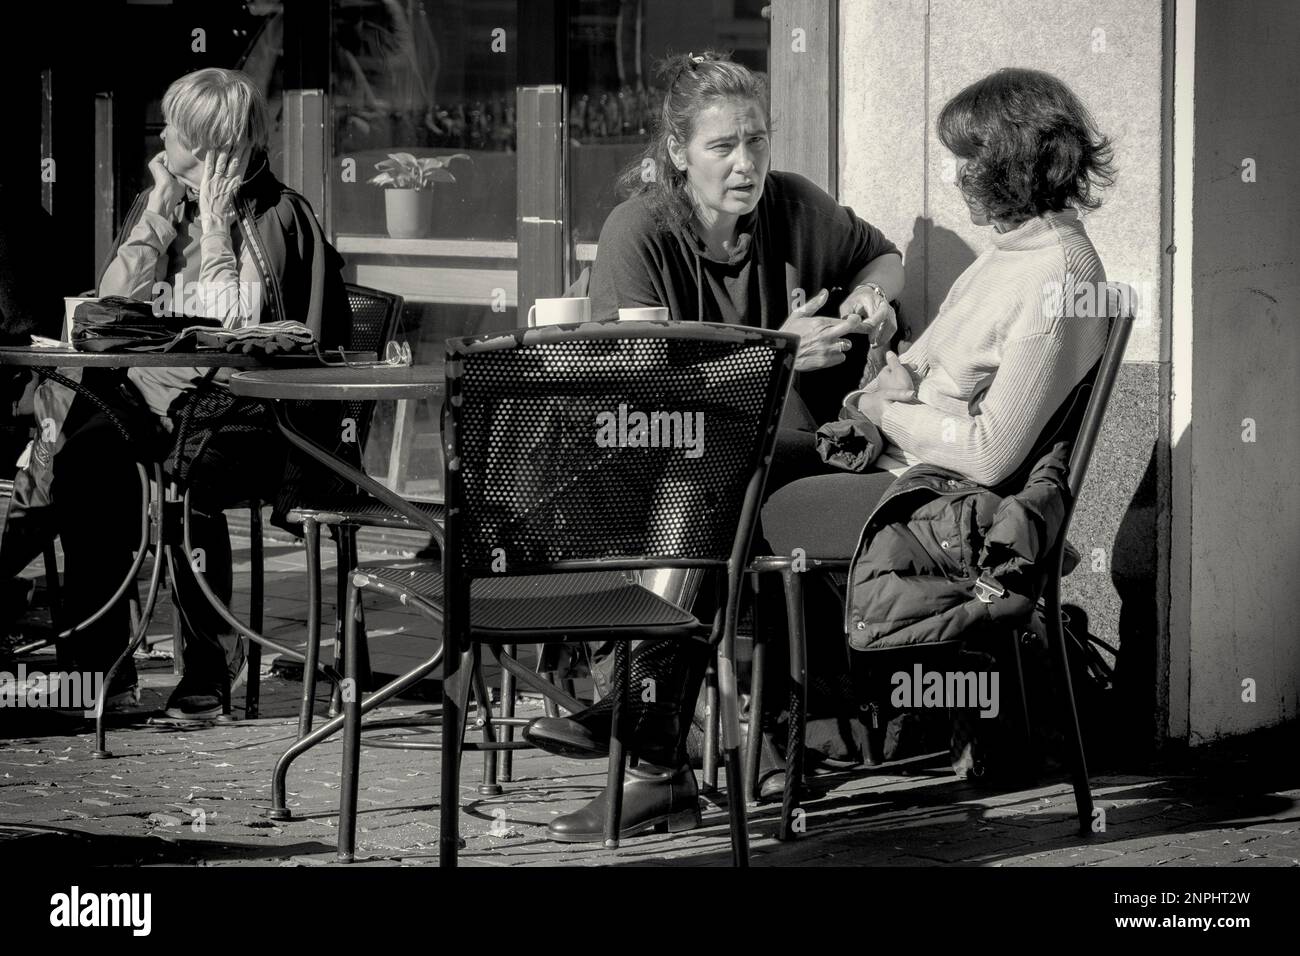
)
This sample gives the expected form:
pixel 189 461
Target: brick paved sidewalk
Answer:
pixel 200 796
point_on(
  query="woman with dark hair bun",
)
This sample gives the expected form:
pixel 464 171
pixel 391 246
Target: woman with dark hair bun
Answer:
pixel 711 233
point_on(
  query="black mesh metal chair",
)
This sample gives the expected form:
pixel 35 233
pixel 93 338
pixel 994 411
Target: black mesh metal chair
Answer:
pixel 574 455
pixel 1082 416
pixel 375 318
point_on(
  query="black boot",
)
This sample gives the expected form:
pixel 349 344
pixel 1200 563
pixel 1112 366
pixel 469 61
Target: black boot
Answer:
pixel 661 671
pixel 654 798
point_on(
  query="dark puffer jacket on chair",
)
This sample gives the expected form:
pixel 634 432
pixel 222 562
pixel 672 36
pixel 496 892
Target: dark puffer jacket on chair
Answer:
pixel 942 558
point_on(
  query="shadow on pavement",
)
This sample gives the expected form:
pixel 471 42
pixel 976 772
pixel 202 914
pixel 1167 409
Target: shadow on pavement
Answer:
pixel 20 845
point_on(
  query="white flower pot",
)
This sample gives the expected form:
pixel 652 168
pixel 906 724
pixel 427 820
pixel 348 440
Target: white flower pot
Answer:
pixel 408 212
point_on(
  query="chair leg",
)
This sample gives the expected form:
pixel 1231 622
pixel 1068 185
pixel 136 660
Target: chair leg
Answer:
pixel 1022 699
pixel 363 652
pixel 1074 733
pixel 351 694
pixel 457 676
pixel 178 629
pixel 506 759
pixel 178 634
pixel 793 584
pixel 342 574
pixel 711 727
pixel 754 736
pixel 614 775
pixel 253 690
pixel 729 697
pixel 489 787
pixel 552 709
pixel 311 545
pixel 53 594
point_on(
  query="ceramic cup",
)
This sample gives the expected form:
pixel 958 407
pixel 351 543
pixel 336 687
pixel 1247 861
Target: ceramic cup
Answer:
pixel 559 311
pixel 649 314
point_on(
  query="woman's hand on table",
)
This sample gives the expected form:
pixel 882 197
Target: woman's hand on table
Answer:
pixel 167 189
pixel 822 341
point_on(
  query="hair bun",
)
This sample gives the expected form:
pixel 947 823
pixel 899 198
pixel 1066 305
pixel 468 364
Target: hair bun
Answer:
pixel 672 67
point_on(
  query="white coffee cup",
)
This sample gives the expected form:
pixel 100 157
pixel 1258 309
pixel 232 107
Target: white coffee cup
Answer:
pixel 654 313
pixel 559 311
pixel 70 304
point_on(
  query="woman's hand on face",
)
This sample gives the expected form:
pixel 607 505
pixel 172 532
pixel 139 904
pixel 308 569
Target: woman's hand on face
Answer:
pixel 881 322
pixel 221 181
pixel 821 339
pixel 167 189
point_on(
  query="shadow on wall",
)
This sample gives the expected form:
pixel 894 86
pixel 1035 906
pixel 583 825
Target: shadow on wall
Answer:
pixel 1121 722
pixel 1133 575
pixel 933 259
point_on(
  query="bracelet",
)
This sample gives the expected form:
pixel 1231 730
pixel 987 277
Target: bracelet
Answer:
pixel 876 289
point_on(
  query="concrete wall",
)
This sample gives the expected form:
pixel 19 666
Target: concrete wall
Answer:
pixel 1238 500
pixel 900 61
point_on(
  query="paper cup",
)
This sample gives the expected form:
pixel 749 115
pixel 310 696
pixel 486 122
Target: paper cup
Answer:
pixel 559 311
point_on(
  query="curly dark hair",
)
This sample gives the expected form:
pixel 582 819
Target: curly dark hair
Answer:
pixel 1030 146
pixel 693 84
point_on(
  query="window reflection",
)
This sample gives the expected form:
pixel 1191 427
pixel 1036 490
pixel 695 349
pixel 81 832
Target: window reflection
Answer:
pixel 433 78
pixel 614 93
pixel 429 78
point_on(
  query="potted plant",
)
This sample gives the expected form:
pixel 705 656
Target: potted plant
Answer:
pixel 408 191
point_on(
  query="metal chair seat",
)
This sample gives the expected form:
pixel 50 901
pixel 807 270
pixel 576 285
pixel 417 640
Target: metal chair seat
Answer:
pixel 542 607
pixel 362 509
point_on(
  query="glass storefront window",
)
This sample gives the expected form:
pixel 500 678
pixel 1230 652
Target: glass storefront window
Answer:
pixel 432 79
pixel 614 47
pixel 439 79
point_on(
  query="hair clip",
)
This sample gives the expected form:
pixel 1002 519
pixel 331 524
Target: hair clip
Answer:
pixel 695 59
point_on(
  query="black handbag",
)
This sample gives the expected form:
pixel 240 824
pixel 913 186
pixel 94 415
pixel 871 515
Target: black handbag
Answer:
pixel 221 441
pixel 118 324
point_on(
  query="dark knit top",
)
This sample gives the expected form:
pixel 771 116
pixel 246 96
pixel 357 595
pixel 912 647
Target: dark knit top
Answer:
pixel 797 238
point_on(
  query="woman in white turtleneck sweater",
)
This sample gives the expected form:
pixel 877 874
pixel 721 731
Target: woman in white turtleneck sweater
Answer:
pixel 1027 319
pixel 1020 328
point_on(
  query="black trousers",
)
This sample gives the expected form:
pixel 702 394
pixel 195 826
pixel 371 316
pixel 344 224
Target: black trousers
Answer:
pixel 97 496
pixel 818 508
pixel 820 511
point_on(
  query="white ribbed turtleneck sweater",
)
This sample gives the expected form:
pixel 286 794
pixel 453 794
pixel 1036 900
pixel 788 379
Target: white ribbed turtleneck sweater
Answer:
pixel 1023 311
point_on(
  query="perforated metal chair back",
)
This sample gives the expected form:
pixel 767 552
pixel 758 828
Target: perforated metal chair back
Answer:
pixel 375 315
pixel 606 445
pixel 1097 388
pixel 1121 324
pixel 374 318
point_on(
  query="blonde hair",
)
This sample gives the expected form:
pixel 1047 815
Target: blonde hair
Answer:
pixel 217 109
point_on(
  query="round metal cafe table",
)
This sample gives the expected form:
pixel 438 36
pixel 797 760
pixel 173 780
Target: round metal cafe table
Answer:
pixel 46 361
